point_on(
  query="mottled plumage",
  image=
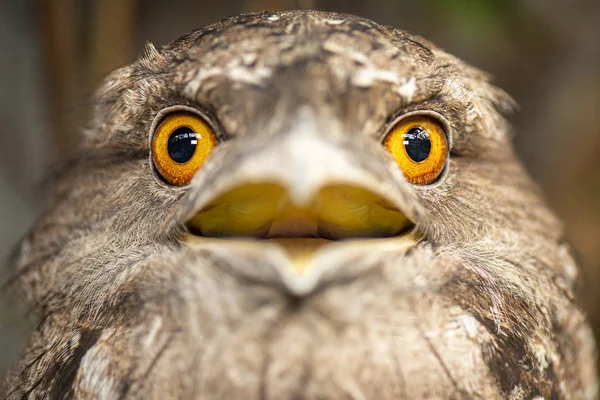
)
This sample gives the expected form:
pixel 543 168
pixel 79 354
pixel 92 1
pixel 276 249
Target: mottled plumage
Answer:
pixel 476 302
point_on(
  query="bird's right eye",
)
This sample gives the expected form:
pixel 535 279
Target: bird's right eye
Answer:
pixel 180 145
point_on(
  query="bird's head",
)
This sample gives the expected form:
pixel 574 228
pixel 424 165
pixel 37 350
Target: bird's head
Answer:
pixel 302 203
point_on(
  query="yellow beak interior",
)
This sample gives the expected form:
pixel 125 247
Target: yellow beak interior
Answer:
pixel 266 211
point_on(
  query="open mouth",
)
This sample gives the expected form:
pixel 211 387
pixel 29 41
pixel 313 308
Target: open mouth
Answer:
pixel 265 211
pixel 255 215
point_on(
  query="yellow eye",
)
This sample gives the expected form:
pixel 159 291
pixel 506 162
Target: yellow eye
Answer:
pixel 419 146
pixel 180 145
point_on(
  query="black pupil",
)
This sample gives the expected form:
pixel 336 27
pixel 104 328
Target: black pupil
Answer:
pixel 182 144
pixel 417 144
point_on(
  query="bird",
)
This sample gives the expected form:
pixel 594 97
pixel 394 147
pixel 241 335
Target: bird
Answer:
pixel 299 205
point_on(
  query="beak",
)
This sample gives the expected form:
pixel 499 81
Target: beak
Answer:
pixel 303 188
pixel 303 183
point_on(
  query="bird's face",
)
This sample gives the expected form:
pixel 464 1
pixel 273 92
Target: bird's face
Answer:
pixel 302 204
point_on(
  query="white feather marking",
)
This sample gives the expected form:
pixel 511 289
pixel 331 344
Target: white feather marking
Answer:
pixel 234 72
pixel 337 48
pixel 407 89
pixel 193 85
pixel 543 356
pixel 94 376
pixel 247 75
pixel 470 324
pixel 334 21
pixel 368 76
pixel 156 325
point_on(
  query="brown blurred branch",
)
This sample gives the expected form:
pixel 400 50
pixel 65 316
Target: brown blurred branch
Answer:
pixel 59 50
pixel 112 37
pixel 276 5
pixel 79 49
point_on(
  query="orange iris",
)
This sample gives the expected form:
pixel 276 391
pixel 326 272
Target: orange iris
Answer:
pixel 419 145
pixel 181 144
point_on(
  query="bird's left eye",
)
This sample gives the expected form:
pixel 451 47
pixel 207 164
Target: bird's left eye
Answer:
pixel 418 144
pixel 180 145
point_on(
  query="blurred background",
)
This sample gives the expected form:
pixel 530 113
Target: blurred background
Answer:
pixel 545 53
